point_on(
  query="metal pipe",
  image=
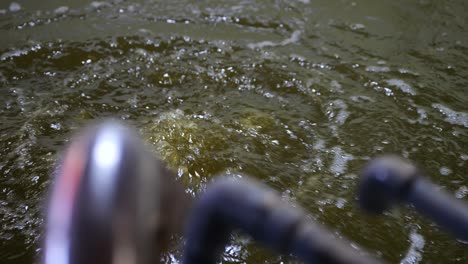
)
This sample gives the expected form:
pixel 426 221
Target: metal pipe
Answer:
pixel 442 208
pixel 257 210
pixel 112 201
pixel 390 180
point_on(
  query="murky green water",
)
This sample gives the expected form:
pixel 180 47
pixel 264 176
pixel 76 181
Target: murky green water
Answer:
pixel 299 94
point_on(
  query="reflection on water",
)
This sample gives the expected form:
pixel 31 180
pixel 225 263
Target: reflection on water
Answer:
pixel 299 94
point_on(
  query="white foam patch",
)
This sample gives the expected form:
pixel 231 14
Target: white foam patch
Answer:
pixel 461 192
pixel 422 119
pixel 357 26
pixel 14 53
pixel 335 86
pixel 400 84
pixel 19 52
pixel 295 36
pixel 99 4
pixel 453 117
pixel 175 114
pixel 339 116
pixel 14 7
pixel 319 144
pixel 56 126
pixel 414 254
pixel 61 10
pixel 377 69
pixel 445 171
pixel 406 71
pixel 340 161
pixel 340 203
pixel 361 99
pixel 173 258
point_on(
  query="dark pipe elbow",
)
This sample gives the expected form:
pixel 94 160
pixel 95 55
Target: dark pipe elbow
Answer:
pixel 390 180
pixel 260 212
pixel 243 204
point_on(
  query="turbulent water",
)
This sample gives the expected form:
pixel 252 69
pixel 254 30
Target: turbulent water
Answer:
pixel 298 94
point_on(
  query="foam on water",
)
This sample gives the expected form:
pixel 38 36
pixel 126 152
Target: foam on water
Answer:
pixel 403 86
pixel 14 7
pixel 337 114
pixel 445 171
pixel 99 4
pixel 337 111
pixel 295 36
pixel 461 192
pixel 340 203
pixel 319 144
pixel 191 77
pixel 61 10
pixel 422 118
pixel 340 160
pixel 14 53
pixel 336 87
pixel 414 254
pixel 19 52
pixel 377 69
pixel 452 117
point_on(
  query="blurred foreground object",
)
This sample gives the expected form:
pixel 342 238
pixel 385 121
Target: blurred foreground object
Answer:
pixel 390 180
pixel 251 207
pixel 112 201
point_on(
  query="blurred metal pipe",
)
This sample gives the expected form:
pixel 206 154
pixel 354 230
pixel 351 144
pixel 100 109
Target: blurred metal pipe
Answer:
pixel 112 201
pixel 390 180
pixel 257 210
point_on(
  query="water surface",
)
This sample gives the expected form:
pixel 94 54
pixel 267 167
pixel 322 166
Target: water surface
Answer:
pixel 298 94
